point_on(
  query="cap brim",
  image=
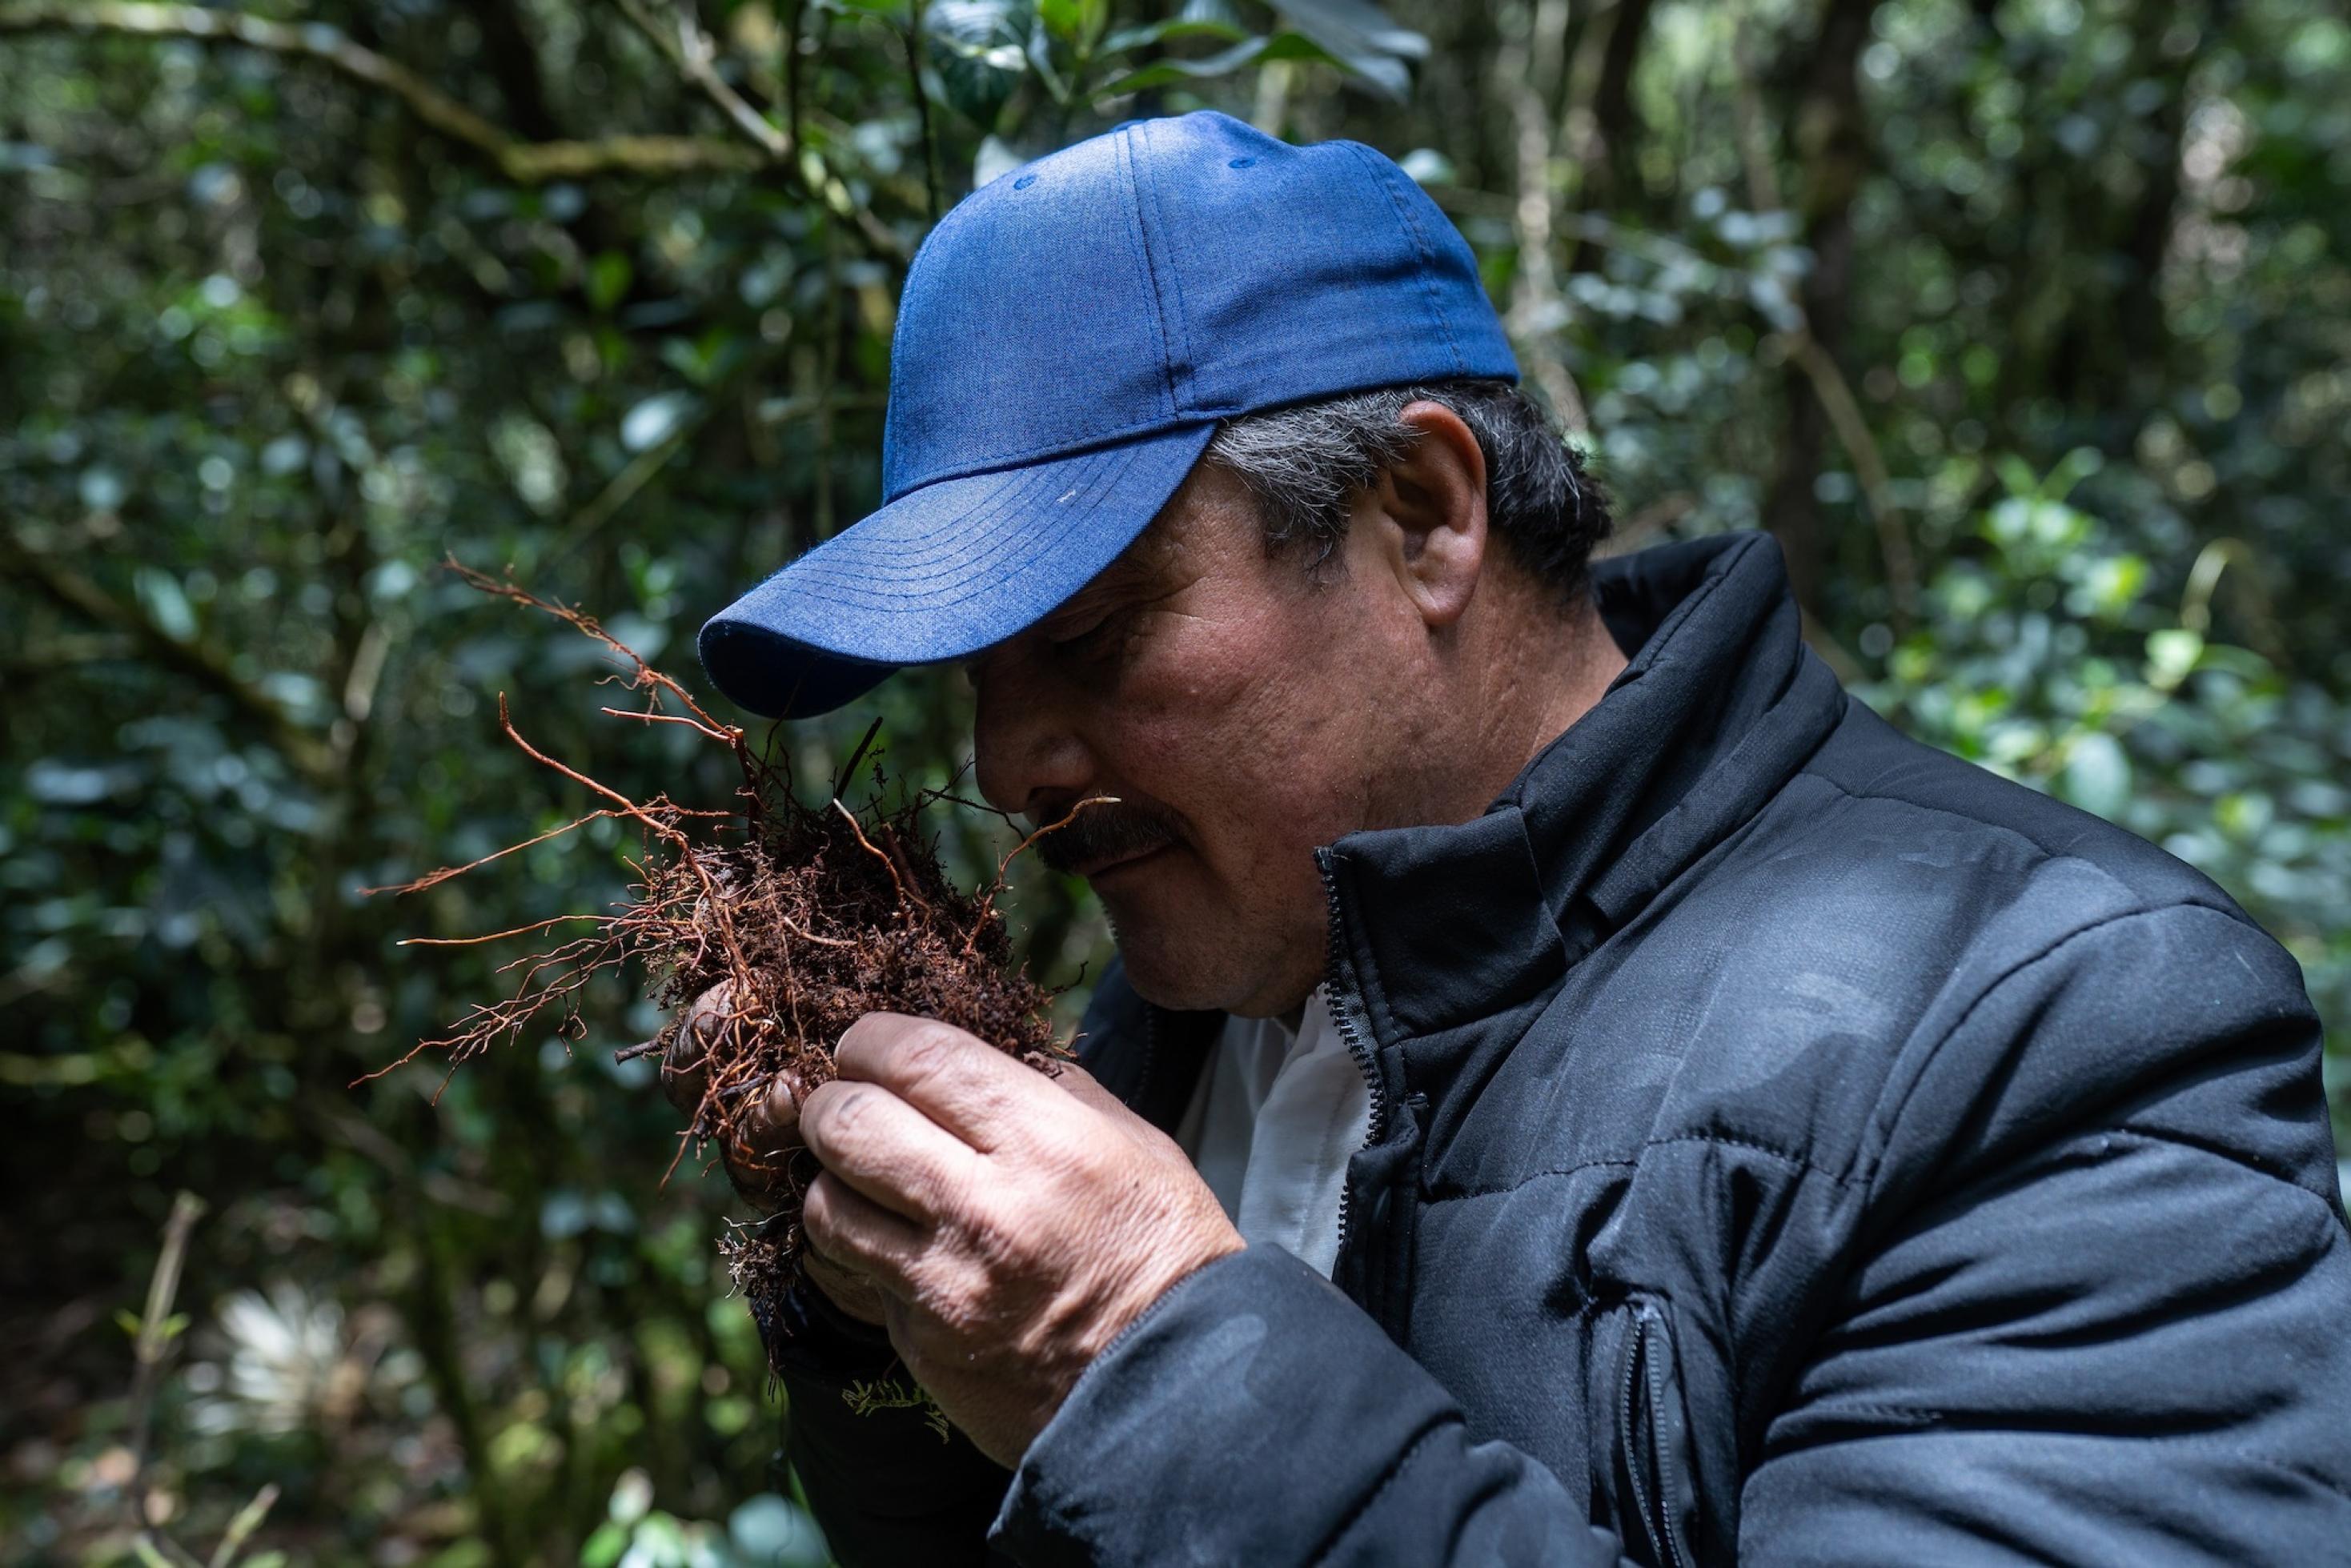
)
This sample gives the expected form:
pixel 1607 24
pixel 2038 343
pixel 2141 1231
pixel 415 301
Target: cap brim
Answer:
pixel 940 573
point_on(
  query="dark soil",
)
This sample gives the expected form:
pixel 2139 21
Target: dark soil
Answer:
pixel 810 916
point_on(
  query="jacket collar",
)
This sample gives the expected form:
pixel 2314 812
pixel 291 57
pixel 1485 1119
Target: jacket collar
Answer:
pixel 1442 927
pixel 1718 707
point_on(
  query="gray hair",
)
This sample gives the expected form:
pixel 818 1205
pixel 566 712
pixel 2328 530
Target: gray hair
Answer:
pixel 1305 465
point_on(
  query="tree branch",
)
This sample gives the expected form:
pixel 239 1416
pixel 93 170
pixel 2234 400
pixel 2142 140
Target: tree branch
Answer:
pixel 689 48
pixel 156 1334
pixel 1537 318
pixel 525 162
pixel 693 55
pixel 1814 359
pixel 199 660
pixel 914 35
pixel 1829 384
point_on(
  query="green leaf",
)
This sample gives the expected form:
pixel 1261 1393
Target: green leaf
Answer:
pixel 1159 73
pixel 166 602
pixel 979 53
pixel 1127 40
pixel 1073 21
pixel 654 420
pixel 2017 475
pixel 704 359
pixel 2071 469
pixel 2171 654
pixel 2097 774
pixel 609 277
pixel 1364 38
pixel 604 1545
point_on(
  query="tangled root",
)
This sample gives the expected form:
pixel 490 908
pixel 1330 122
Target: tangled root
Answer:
pixel 808 916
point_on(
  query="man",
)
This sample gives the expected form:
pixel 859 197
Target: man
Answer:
pixel 1577 1086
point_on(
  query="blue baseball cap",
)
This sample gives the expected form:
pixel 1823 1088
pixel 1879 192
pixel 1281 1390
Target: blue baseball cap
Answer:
pixel 1069 337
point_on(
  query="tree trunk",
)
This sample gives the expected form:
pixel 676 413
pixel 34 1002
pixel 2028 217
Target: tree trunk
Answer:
pixel 1832 151
pixel 1617 123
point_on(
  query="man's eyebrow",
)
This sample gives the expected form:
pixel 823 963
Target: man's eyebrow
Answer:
pixel 1077 605
pixel 1124 575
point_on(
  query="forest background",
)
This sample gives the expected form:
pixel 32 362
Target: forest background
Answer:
pixel 2025 324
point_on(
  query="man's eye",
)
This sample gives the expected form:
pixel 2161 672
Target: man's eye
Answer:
pixel 1101 637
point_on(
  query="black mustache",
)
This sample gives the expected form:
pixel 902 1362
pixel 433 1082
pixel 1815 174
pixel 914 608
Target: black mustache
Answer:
pixel 1090 835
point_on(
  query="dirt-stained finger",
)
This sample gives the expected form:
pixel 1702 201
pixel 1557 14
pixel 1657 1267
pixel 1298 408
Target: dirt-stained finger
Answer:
pixel 758 1150
pixel 772 1120
pixel 852 1292
pixel 859 1236
pixel 684 1076
pixel 957 1079
pixel 760 1119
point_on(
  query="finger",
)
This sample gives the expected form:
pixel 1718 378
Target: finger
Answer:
pixel 855 1294
pixel 682 1077
pixel 957 1079
pixel 1077 1081
pixel 772 1122
pixel 762 1175
pixel 857 1236
pixel 685 1062
pixel 887 1150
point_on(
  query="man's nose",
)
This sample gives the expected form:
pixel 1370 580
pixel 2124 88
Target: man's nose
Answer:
pixel 1027 744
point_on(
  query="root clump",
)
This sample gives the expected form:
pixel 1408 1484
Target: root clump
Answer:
pixel 800 918
pixel 834 916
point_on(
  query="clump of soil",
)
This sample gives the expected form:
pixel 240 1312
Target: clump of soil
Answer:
pixel 810 916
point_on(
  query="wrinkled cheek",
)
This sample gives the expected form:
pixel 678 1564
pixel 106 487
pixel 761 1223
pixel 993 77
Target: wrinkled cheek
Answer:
pixel 1239 737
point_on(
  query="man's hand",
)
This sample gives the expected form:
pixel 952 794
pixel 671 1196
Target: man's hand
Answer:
pixel 1015 1223
pixel 764 1135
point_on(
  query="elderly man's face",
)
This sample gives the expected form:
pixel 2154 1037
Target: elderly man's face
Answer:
pixel 1242 711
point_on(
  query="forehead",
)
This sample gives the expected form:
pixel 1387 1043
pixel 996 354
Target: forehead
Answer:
pixel 1210 513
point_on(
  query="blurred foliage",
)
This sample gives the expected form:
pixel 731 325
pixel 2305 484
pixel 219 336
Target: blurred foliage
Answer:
pixel 2025 324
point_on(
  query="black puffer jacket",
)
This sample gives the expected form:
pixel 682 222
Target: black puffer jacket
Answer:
pixel 1789 1144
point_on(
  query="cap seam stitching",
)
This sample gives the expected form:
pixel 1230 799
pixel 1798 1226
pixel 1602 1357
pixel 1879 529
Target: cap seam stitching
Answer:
pixel 1143 176
pixel 989 510
pixel 1001 537
pixel 898 339
pixel 989 513
pixel 878 600
pixel 996 461
pixel 1014 498
pixel 1140 242
pixel 1420 248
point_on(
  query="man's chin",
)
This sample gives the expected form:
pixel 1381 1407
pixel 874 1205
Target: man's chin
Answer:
pixel 1183 978
pixel 1167 973
pixel 1189 949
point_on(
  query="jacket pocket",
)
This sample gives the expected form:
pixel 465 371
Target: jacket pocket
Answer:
pixel 1643 1432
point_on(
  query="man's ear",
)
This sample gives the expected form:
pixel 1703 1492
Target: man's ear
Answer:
pixel 1429 509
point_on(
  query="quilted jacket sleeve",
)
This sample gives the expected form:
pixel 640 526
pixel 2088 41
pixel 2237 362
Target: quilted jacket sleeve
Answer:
pixel 1255 1414
pixel 2094 1312
pixel 2102 1313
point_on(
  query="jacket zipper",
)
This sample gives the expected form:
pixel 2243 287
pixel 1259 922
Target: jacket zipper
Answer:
pixel 1342 1016
pixel 1667 1489
pixel 1639 1362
